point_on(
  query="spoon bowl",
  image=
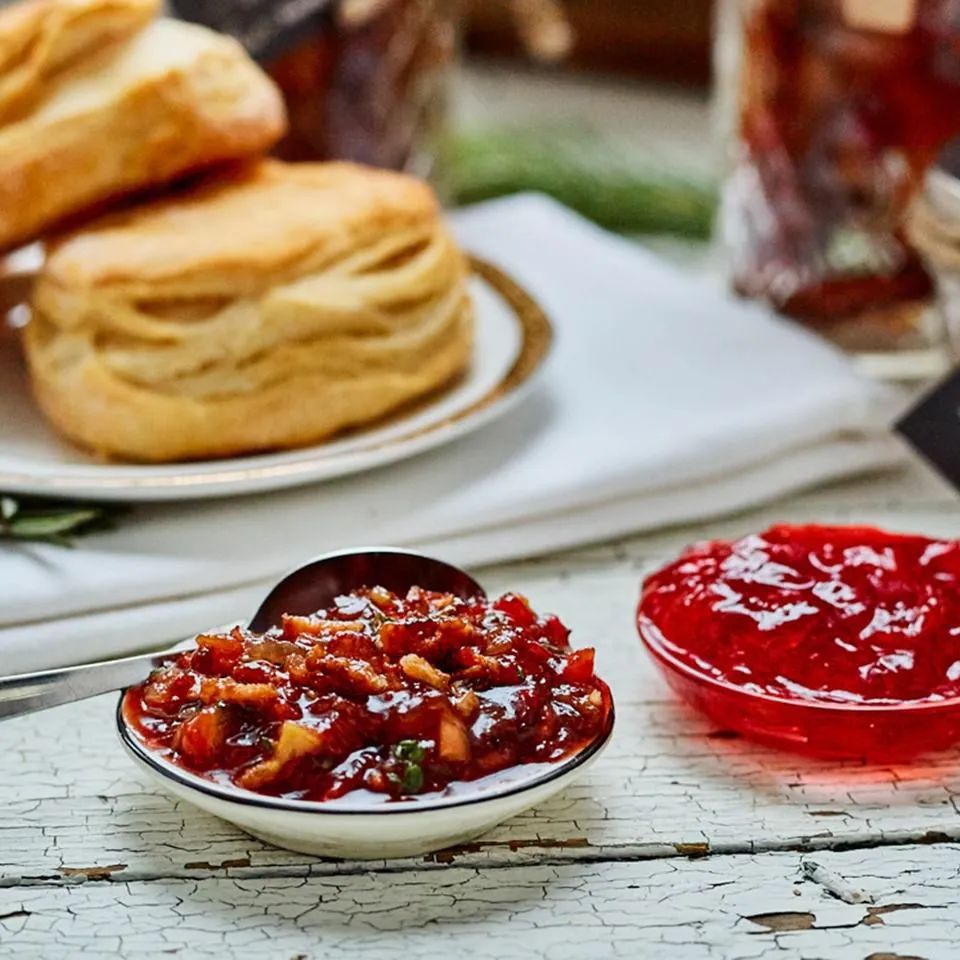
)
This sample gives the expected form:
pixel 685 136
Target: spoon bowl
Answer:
pixel 317 584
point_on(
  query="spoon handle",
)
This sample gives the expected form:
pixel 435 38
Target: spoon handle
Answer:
pixel 29 692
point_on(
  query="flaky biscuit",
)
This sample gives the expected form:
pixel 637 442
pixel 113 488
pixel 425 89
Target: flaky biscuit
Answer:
pixel 173 98
pixel 267 310
pixel 40 40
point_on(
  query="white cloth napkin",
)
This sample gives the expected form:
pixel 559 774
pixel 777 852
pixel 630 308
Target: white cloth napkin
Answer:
pixel 663 402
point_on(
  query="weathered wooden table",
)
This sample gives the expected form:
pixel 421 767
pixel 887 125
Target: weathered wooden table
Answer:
pixel 681 842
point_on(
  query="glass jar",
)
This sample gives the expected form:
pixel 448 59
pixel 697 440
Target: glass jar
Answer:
pixel 835 110
pixel 934 228
pixel 364 80
pixel 370 86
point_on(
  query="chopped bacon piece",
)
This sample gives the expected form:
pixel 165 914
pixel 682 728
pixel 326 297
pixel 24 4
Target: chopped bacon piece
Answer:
pixel 382 598
pixel 226 690
pixel 200 738
pixel 357 646
pixel 346 674
pixel 467 705
pixel 453 743
pixel 272 650
pixel 219 652
pixel 295 742
pixel 415 667
pixel 555 631
pixel 480 667
pixel 579 668
pixel 517 608
pixel 170 689
pixel 297 669
pixel 295 626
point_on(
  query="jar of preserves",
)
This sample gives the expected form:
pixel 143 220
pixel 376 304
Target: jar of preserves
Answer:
pixel 934 228
pixel 364 80
pixel 837 108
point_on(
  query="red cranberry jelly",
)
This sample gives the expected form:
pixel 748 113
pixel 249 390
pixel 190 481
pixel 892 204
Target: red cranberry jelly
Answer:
pixel 833 615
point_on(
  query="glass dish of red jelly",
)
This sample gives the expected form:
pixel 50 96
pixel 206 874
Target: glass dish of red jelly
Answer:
pixel 835 641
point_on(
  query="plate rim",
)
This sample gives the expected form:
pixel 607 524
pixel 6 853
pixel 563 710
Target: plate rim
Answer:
pixel 537 336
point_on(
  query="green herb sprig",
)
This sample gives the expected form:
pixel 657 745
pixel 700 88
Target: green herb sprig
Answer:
pixel 411 754
pixel 601 182
pixel 58 522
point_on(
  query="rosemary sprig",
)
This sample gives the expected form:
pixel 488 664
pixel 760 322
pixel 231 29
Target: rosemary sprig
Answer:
pixel 597 180
pixel 40 520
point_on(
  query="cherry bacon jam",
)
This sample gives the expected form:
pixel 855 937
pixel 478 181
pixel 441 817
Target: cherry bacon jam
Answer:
pixel 393 696
pixel 835 614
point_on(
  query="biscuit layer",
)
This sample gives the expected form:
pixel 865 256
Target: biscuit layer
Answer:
pixel 270 310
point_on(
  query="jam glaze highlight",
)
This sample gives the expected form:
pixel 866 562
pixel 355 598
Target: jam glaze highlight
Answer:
pixel 843 615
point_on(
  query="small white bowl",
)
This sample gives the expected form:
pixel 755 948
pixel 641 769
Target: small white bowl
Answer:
pixel 405 828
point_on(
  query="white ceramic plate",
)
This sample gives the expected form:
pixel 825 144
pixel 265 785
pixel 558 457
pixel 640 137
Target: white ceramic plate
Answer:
pixel 408 828
pixel 512 339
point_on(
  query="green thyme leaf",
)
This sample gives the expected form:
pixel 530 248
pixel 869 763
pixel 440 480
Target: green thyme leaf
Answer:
pixel 409 750
pixel 413 778
pixel 37 520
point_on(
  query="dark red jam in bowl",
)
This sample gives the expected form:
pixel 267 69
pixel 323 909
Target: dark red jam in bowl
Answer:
pixel 381 696
pixel 855 621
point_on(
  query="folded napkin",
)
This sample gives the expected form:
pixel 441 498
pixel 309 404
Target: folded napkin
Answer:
pixel 662 402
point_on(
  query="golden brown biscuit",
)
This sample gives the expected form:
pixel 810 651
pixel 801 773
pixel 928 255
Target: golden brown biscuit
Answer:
pixel 41 39
pixel 172 99
pixel 267 310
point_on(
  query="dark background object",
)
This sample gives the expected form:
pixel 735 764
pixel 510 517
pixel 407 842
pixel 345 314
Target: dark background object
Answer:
pixel 363 80
pixel 266 28
pixel 656 39
pixel 933 426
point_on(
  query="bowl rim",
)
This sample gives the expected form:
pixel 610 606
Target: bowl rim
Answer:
pixel 653 639
pixel 237 795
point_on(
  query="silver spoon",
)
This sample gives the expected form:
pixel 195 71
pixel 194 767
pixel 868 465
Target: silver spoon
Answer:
pixel 312 587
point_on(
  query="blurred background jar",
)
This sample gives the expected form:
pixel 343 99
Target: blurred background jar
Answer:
pixel 835 109
pixel 371 80
pixel 364 80
pixel 934 228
